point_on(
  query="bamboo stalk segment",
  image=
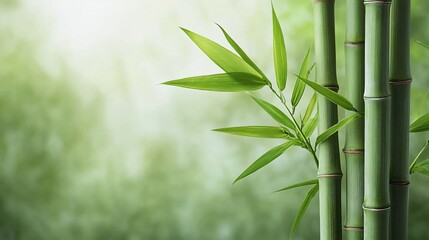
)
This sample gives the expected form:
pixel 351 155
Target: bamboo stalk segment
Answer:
pixel 400 80
pixel 377 121
pixel 328 153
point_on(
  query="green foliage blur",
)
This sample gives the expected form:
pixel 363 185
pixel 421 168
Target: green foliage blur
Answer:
pixel 91 147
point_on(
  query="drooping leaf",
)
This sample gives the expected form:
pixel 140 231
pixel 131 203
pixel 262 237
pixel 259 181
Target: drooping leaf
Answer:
pixel 255 131
pixel 421 124
pixel 299 87
pixel 240 51
pixel 279 50
pixel 421 164
pixel 423 44
pixel 331 95
pixel 301 184
pixel 223 82
pixel 266 158
pixel 310 108
pixel 311 125
pixel 422 170
pixel 326 134
pixel 275 113
pixel 302 209
pixel 224 58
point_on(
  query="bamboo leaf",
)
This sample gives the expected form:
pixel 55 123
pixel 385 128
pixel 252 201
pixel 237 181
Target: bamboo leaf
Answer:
pixel 421 124
pixel 331 95
pixel 224 58
pixel 310 108
pixel 299 87
pixel 279 50
pixel 301 184
pixel 422 170
pixel 266 158
pixel 223 82
pixel 423 44
pixel 274 112
pixel 302 209
pixel 255 131
pixel 309 127
pixel 326 134
pixel 421 164
pixel 240 51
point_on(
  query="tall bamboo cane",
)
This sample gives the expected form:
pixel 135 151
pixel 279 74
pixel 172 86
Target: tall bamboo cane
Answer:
pixel 400 79
pixel 377 126
pixel 353 150
pixel 329 169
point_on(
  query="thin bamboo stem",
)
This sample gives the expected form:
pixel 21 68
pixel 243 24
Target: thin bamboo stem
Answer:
pixel 328 154
pixel 354 145
pixel 400 79
pixel 377 125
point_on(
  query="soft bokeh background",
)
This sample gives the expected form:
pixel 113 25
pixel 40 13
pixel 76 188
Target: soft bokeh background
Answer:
pixel 92 147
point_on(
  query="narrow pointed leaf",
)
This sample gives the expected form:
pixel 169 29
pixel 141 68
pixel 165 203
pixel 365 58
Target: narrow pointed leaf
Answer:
pixel 302 209
pixel 421 164
pixel 421 124
pixel 224 58
pixel 266 158
pixel 299 87
pixel 422 170
pixel 279 50
pixel 240 51
pixel 423 44
pixel 275 113
pixel 255 131
pixel 301 184
pixel 326 134
pixel 331 95
pixel 310 108
pixel 224 82
pixel 311 125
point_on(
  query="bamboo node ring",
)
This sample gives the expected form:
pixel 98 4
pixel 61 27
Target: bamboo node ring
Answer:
pixel 354 151
pixel 400 81
pixel 377 2
pixel 355 44
pixel 376 209
pixel 377 98
pixel 334 88
pixel 400 184
pixel 349 228
pixel 331 175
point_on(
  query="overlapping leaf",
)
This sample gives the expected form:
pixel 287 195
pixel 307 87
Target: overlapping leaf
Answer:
pixel 224 58
pixel 423 44
pixel 299 87
pixel 421 124
pixel 275 113
pixel 310 108
pixel 331 95
pixel 422 170
pixel 301 184
pixel 279 50
pixel 326 134
pixel 256 131
pixel 311 125
pixel 266 158
pixel 224 82
pixel 310 195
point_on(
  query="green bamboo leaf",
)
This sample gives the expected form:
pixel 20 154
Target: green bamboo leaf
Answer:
pixel 223 82
pixel 326 134
pixel 302 209
pixel 274 112
pixel 301 184
pixel 331 95
pixel 423 44
pixel 421 124
pixel 299 87
pixel 240 51
pixel 256 131
pixel 311 125
pixel 310 108
pixel 266 158
pixel 422 170
pixel 279 50
pixel 421 164
pixel 224 58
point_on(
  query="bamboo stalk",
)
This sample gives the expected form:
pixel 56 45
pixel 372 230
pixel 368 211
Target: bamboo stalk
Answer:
pixel 377 126
pixel 354 145
pixel 329 172
pixel 400 79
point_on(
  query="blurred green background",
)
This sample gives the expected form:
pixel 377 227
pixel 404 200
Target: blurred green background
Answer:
pixel 92 147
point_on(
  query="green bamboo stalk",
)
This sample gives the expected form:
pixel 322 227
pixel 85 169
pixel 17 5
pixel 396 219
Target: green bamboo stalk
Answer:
pixel 354 145
pixel 377 126
pixel 400 79
pixel 329 172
